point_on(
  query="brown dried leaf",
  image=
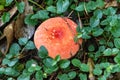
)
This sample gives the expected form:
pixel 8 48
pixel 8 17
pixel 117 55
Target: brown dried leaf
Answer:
pixel 13 11
pixel 3 46
pixel 8 33
pixel 111 3
pixel 20 29
pixel 28 8
pixel 91 66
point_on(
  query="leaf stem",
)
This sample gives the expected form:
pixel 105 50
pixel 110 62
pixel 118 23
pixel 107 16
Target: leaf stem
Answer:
pixel 21 55
pixel 70 14
pixel 36 4
pixel 109 38
pixel 85 9
pixel 80 22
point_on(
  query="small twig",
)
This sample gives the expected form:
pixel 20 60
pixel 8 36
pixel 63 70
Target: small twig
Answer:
pixel 109 38
pixel 70 14
pixel 104 36
pixel 84 57
pixel 86 17
pixel 56 78
pixel 36 4
pixel 36 58
pixel 80 21
pixel 85 9
pixel 86 24
pixel 51 78
pixel 20 55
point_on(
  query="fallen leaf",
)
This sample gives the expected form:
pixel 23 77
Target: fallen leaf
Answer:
pixel 28 8
pixel 20 29
pixel 91 66
pixel 8 33
pixel 111 3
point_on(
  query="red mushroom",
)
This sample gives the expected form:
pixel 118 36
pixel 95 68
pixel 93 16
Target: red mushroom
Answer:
pixel 57 35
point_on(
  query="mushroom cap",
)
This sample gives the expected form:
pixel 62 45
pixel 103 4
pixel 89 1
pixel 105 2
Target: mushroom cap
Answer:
pixel 57 35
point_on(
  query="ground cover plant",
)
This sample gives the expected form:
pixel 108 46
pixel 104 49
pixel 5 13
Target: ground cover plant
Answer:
pixel 97 34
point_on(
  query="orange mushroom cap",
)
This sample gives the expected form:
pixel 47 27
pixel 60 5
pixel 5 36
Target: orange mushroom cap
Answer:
pixel 57 35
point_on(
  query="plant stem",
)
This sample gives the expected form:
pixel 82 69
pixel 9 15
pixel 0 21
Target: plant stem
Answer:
pixel 36 4
pixel 80 22
pixel 109 39
pixel 85 9
pixel 70 14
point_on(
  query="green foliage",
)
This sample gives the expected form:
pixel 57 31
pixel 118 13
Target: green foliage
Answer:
pixel 64 64
pixel 39 75
pixel 9 62
pixel 20 6
pixel 8 2
pixel 100 3
pixel 89 6
pixel 22 41
pixel 102 78
pixel 42 14
pixel 2 70
pixel 100 31
pixel 29 21
pixel 2 4
pixel 49 2
pixel 97 31
pixel 104 65
pixel 84 67
pixel 11 72
pixel 5 17
pixel 63 77
pixel 109 11
pixel 48 62
pixel 95 19
pixel 1 7
pixel 80 7
pixel 52 9
pixel 32 66
pixel 62 6
pixel 91 48
pixel 117 42
pixel 97 71
pixel 98 13
pixel 14 49
pixel 72 74
pixel 24 76
pixel 42 52
pixel 85 32
pixel 76 62
pixel 117 59
pixel 30 45
pixel 82 76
